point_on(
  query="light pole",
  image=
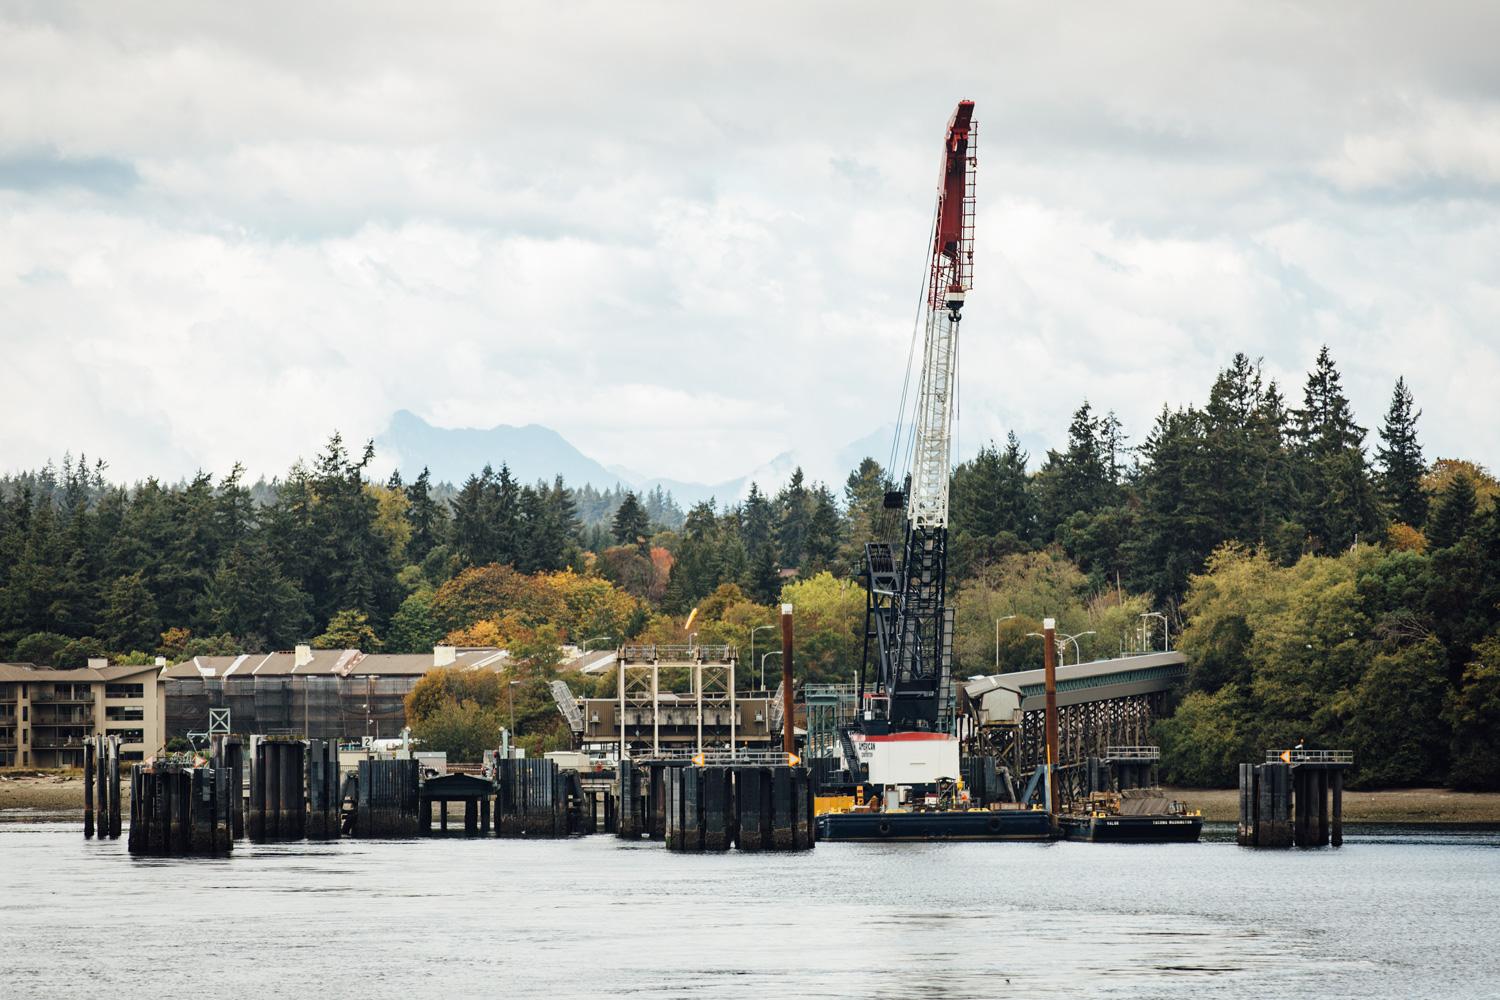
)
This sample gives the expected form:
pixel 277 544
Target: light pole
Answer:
pixel 997 640
pixel 511 690
pixel 758 628
pixel 774 652
pixel 1166 629
pixel 1077 653
pixel 585 647
pixel 1056 640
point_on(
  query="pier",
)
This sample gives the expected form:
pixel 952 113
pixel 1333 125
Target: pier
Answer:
pixel 1285 801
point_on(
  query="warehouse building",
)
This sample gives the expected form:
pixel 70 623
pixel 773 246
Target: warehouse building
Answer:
pixel 316 693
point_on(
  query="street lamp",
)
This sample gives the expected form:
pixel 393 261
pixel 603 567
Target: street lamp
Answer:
pixel 585 647
pixel 1056 640
pixel 997 639
pixel 774 652
pixel 1077 653
pixel 511 690
pixel 1166 629
pixel 756 629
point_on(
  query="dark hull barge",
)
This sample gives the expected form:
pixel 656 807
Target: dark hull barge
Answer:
pixel 1132 829
pixel 974 824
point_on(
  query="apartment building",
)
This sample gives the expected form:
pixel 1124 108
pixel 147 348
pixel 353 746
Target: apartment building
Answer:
pixel 46 714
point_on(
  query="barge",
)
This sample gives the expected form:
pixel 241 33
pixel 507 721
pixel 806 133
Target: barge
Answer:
pixel 940 824
pixel 1132 815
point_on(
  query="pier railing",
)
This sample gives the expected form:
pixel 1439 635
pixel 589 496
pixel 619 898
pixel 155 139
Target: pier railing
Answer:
pixel 1132 753
pixel 677 653
pixel 718 757
pixel 1309 756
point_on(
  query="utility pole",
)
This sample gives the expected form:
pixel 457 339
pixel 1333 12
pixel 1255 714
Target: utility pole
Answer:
pixel 1049 663
pixel 788 734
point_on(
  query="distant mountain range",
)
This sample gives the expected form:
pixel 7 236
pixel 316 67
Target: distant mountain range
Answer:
pixel 534 452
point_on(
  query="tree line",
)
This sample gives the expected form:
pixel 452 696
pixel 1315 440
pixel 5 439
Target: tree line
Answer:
pixel 1098 533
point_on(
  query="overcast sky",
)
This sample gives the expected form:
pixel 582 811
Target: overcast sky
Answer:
pixel 690 236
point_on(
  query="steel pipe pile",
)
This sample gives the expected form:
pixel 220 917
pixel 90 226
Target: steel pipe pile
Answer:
pixel 278 805
pixel 323 798
pixel 534 799
pixel 752 808
pixel 388 799
pixel 176 809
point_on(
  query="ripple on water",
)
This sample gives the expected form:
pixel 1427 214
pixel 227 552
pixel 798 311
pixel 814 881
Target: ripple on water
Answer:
pixel 597 917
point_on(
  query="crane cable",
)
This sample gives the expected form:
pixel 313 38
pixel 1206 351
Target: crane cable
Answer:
pixel 888 520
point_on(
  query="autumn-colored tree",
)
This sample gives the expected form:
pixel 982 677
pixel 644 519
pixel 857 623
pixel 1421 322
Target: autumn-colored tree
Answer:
pixel 451 685
pixel 348 629
pixel 462 729
pixel 489 592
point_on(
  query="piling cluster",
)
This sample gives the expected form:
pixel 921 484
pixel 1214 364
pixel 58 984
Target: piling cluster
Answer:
pixel 713 808
pixel 1287 804
pixel 388 799
pixel 324 796
pixel 531 798
pixel 101 787
pixel 278 807
pixel 179 809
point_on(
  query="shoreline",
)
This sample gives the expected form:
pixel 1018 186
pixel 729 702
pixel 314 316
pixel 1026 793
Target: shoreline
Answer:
pixel 1395 805
pixel 31 795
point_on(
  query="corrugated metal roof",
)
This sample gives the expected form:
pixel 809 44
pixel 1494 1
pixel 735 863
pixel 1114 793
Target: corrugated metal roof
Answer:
pixel 331 662
pixel 30 672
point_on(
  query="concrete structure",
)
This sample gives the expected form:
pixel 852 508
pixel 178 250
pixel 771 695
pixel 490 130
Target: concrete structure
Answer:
pixel 47 715
pixel 313 693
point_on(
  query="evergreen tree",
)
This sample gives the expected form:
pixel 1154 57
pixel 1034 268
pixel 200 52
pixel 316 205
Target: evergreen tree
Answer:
pixel 473 532
pixel 823 533
pixel 757 522
pixel 250 598
pixel 864 496
pixel 698 567
pixel 1454 514
pixel 1340 501
pixel 426 516
pixel 1083 478
pixel 1180 514
pixel 763 581
pixel 793 514
pixel 131 622
pixel 1400 457
pixel 631 525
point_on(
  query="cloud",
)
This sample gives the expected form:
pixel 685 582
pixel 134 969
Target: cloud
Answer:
pixel 692 239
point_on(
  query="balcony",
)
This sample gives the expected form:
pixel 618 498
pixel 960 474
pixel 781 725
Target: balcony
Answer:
pixel 81 697
pixel 61 716
pixel 44 740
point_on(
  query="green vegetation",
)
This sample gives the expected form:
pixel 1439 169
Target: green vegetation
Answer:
pixel 1326 588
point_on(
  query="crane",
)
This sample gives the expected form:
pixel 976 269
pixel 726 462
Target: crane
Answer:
pixel 904 676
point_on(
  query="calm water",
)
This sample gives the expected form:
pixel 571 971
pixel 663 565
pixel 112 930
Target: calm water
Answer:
pixel 1396 913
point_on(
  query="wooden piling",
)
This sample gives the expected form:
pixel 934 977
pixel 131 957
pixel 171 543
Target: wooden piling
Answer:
pixel 113 766
pixel 1323 832
pixel 89 763
pixel 1336 831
